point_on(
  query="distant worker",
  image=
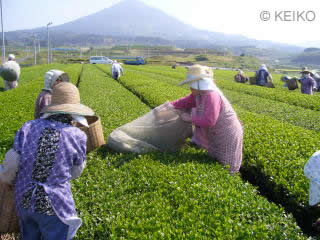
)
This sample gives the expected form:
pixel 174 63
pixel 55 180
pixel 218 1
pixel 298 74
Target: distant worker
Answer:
pixel 174 66
pixel 316 77
pixel 263 76
pixel 10 72
pixel 51 79
pixel 308 84
pixel 117 70
pixel 240 77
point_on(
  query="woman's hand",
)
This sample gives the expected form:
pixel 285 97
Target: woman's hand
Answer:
pixel 186 117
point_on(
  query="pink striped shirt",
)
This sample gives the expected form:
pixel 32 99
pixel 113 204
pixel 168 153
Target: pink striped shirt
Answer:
pixel 205 113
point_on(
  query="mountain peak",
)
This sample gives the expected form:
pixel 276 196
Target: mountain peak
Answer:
pixel 130 18
pixel 130 4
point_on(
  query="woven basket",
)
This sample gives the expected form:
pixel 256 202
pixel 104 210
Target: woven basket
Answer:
pixel 292 84
pixel 8 217
pixel 94 133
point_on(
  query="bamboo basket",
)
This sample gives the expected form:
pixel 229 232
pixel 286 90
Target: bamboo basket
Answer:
pixel 8 218
pixel 94 133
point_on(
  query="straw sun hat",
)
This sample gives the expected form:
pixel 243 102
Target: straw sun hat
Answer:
pixel 66 99
pixel 200 77
pixel 197 72
pixel 305 70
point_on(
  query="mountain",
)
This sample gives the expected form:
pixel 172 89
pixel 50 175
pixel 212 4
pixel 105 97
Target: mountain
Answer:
pixel 131 19
pixel 309 44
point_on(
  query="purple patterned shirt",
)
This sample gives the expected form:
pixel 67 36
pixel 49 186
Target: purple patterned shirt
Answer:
pixel 307 85
pixel 70 151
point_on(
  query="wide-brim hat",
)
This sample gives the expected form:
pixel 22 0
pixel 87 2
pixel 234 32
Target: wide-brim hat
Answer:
pixel 197 72
pixel 306 70
pixel 66 100
pixel 312 172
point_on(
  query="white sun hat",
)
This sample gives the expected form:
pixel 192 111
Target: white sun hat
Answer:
pixel 200 77
pixel 52 76
pixel 312 172
pixel 11 57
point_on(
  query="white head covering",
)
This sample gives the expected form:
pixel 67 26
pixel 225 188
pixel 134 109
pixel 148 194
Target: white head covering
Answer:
pixel 312 172
pixel 263 66
pixel 204 84
pixel 51 77
pixel 240 71
pixel 11 57
pixel 201 78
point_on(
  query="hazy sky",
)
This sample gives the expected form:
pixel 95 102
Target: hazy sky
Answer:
pixel 290 21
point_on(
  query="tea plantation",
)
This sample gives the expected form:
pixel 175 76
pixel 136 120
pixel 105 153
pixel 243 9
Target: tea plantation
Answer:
pixel 185 195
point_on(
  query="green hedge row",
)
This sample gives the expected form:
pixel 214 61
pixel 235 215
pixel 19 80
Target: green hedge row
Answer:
pixel 294 115
pixel 180 73
pixel 185 195
pixel 225 81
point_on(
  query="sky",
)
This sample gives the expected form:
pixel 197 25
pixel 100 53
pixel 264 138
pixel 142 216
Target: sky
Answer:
pixel 287 21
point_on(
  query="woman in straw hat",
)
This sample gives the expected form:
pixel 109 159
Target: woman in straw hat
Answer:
pixel 217 127
pixel 47 153
pixel 51 79
pixel 308 84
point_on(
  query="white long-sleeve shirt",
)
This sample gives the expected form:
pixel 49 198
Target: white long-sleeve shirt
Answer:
pixel 116 67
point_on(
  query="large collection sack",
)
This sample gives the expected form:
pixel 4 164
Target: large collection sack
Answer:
pixel 293 84
pixel 8 216
pixel 10 71
pixel 160 129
